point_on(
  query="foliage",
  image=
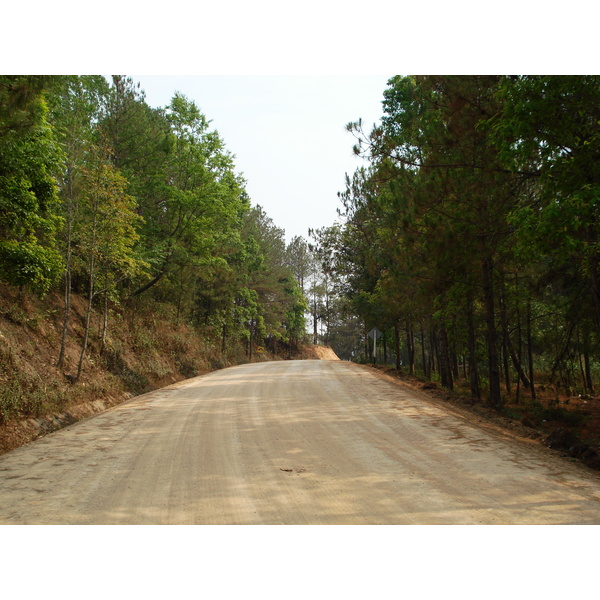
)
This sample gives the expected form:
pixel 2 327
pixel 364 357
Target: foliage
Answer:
pixel 473 231
pixel 132 203
pixel 29 158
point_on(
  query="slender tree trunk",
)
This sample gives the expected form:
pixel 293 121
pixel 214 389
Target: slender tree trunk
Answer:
pixel 561 355
pixel 315 325
pixel 454 361
pixel 433 353
pixel 327 316
pixel 88 317
pixel 150 283
pixel 384 343
pixel 519 344
pixel 506 344
pixel 397 344
pixel 530 349
pixel 517 363
pixel 251 340
pixel 410 347
pixel 504 323
pixel 84 344
pixel 586 360
pixel 91 283
pixel 445 364
pixel 506 368
pixel 104 321
pixel 495 398
pixel 473 369
pixel 423 348
pixel 580 360
pixel 65 326
pixel 375 346
pixel 518 392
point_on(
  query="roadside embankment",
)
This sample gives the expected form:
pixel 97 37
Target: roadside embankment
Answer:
pixel 143 351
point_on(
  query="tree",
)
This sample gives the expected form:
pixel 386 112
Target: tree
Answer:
pixel 458 195
pixel 29 160
pixel 299 259
pixel 107 236
pixel 270 276
pixel 76 105
pixel 550 126
pixel 194 209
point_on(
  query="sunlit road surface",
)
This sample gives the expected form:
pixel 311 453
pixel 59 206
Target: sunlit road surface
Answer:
pixel 292 442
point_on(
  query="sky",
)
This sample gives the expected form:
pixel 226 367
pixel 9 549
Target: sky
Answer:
pixel 287 133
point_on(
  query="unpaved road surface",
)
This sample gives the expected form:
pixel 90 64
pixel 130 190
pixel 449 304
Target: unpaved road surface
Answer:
pixel 294 442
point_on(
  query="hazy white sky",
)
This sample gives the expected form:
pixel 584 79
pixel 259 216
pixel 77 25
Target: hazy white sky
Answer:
pixel 287 133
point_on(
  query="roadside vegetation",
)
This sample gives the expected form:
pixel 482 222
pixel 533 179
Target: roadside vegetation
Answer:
pixel 470 239
pixel 130 253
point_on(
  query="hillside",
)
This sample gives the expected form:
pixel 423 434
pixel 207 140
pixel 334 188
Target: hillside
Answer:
pixel 145 349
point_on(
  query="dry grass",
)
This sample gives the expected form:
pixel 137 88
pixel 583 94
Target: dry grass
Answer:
pixel 145 349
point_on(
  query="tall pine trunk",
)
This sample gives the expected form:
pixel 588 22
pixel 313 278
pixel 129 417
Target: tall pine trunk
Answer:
pixel 251 340
pixel 423 349
pixel 589 384
pixel 505 338
pixel 67 309
pixel 433 353
pixel 494 398
pixel 473 369
pixel 520 343
pixel 530 348
pixel 454 361
pixel 444 360
pixel 91 284
pixel 65 326
pixel 410 346
pixel 315 324
pixel 88 317
pixel 397 344
pixel 104 321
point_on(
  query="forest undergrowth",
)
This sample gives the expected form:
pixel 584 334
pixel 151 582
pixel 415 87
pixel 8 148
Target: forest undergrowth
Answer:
pixel 568 424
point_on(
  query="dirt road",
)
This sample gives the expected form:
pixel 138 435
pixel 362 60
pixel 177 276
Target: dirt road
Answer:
pixel 294 442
